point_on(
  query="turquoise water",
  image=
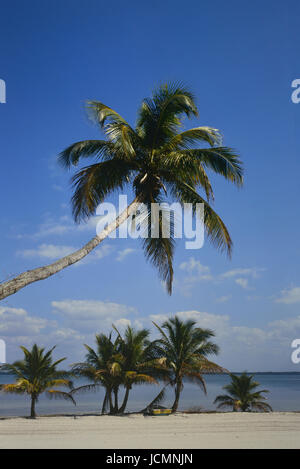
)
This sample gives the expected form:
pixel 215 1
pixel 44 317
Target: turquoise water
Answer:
pixel 284 395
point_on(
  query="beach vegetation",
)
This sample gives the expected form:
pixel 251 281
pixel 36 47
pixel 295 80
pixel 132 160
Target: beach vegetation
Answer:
pixel 36 374
pixel 243 395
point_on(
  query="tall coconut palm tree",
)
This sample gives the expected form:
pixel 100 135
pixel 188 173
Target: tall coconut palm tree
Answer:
pixel 243 395
pixel 36 374
pixel 102 366
pixel 186 348
pixel 154 160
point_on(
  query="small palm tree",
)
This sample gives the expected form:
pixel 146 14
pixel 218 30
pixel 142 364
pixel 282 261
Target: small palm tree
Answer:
pixel 242 395
pixel 139 364
pixel 186 348
pixel 124 362
pixel 154 160
pixel 102 366
pixel 36 374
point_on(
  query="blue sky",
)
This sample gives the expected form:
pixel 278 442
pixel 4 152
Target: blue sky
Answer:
pixel 240 60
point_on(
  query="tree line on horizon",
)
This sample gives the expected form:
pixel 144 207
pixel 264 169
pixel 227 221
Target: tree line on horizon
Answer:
pixel 179 355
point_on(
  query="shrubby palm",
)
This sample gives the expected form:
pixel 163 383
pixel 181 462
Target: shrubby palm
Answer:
pixel 186 348
pixel 243 395
pixel 36 374
pixel 156 160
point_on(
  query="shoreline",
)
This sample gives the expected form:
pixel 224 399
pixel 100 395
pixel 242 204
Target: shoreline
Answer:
pixel 128 414
pixel 134 431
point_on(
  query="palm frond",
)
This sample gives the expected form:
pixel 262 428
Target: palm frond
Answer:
pixel 115 127
pixel 55 394
pixel 214 226
pixel 93 183
pixel 195 377
pixel 209 367
pixel 159 245
pixel 100 149
pixel 185 139
pixel 221 160
pixel 159 117
pixel 86 388
pixel 17 388
pixel 180 165
pixel 157 400
pixel 262 406
pixel 224 401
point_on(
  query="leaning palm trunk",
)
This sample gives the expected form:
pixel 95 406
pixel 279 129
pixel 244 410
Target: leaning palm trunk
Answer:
pixel 30 276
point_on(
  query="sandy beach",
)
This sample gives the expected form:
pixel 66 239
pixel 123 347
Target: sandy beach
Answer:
pixel 222 430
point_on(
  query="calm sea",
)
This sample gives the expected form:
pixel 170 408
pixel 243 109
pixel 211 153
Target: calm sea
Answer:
pixel 284 395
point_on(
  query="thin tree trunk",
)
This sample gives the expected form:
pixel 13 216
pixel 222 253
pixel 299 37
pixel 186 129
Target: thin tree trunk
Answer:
pixel 30 276
pixel 177 396
pixel 124 404
pixel 116 405
pixel 104 402
pixel 32 410
pixel 111 408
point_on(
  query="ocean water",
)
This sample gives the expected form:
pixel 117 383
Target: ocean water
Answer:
pixel 284 395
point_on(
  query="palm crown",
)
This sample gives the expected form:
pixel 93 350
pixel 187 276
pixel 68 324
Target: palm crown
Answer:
pixel 243 395
pixel 186 348
pixel 157 160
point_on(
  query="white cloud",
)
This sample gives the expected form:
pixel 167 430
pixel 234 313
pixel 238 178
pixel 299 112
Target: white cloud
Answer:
pixel 52 226
pixel 223 299
pixel 57 188
pixel 241 275
pixel 52 251
pixel 57 226
pixel 196 272
pixel 124 253
pixel 47 251
pixel 16 321
pixel 194 266
pixel 289 296
pixel 253 272
pixel 91 309
pixel 92 315
pixel 122 323
pixel 19 327
pixel 243 282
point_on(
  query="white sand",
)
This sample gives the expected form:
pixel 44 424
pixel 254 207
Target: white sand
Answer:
pixel 224 430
